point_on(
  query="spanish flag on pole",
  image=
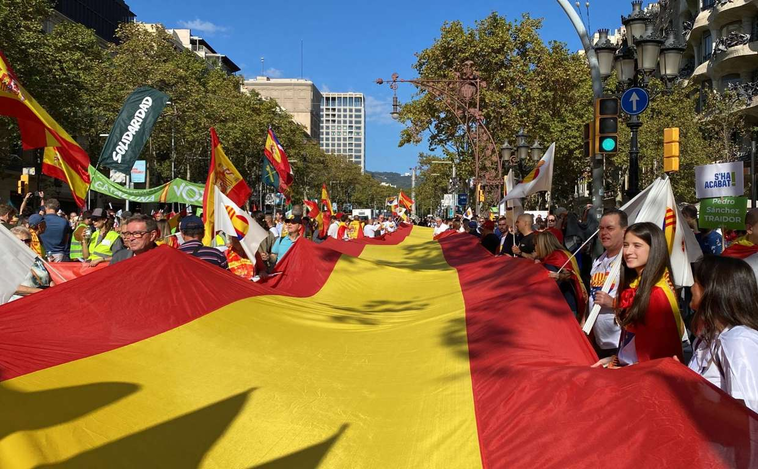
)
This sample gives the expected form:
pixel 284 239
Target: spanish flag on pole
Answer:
pixel 326 211
pixel 405 201
pixel 278 159
pixel 224 175
pixel 64 158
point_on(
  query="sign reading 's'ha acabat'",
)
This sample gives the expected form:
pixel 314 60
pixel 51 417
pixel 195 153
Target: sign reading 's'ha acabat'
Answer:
pixel 719 180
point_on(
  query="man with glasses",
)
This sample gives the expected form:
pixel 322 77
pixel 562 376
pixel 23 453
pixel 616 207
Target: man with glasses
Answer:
pixel 139 235
pixel 284 244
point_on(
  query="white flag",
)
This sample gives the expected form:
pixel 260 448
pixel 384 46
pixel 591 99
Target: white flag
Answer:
pixel 656 205
pixel 237 223
pixel 17 262
pixel 513 204
pixel 539 179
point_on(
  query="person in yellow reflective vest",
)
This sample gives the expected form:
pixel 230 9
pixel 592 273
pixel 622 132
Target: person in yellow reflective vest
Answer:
pixel 78 236
pixel 103 242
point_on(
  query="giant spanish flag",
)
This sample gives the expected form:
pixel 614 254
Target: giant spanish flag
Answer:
pixel 224 175
pixel 64 158
pixel 320 367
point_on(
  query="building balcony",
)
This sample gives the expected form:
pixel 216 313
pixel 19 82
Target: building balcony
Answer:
pixel 747 94
pixel 721 13
pixel 734 53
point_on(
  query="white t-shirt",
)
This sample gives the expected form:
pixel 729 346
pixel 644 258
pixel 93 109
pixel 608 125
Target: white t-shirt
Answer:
pixel 333 230
pixel 369 231
pixel 607 332
pixel 736 350
pixel 274 230
pixel 440 229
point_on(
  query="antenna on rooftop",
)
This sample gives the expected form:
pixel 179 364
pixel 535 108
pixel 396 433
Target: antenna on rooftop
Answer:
pixel 263 61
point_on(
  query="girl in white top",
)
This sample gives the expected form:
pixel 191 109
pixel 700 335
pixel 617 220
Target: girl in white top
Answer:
pixel 725 300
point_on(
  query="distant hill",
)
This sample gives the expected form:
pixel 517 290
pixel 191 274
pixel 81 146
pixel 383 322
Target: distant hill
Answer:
pixel 396 179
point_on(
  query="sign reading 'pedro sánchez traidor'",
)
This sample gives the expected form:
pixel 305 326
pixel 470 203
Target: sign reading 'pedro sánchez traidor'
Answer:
pixel 719 180
pixel 132 128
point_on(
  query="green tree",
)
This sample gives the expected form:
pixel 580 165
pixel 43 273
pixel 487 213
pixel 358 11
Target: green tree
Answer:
pixel 540 87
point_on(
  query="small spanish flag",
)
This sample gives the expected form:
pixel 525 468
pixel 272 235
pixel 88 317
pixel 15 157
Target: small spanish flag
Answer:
pixel 64 159
pixel 224 175
pixel 278 159
pixel 405 201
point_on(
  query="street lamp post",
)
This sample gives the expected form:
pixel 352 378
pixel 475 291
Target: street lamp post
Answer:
pixel 643 53
pixel 461 96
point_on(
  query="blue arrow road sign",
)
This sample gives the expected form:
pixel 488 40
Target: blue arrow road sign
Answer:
pixel 634 101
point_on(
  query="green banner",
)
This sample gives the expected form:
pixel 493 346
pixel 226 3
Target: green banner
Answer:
pixel 178 190
pixel 726 212
pixel 132 128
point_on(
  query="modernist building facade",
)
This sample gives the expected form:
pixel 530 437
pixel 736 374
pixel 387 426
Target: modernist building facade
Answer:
pixel 722 47
pixel 343 126
pixel 298 97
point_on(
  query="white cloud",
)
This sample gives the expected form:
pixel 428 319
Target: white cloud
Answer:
pixel 203 26
pixel 378 110
pixel 273 73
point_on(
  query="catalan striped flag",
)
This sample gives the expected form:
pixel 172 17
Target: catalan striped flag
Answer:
pixel 669 228
pixel 64 159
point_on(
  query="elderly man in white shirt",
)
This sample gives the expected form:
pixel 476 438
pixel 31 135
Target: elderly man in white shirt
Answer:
pixel 439 227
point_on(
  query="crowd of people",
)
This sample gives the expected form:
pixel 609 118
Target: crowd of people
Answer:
pixel 109 236
pixel 712 326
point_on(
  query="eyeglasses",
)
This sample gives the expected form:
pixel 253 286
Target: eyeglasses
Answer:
pixel 134 234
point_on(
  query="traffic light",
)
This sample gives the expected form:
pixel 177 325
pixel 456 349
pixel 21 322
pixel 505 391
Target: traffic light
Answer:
pixel 23 184
pixel 606 125
pixel 670 149
pixel 589 140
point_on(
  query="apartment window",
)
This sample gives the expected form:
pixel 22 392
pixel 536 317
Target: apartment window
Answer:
pixel 707 45
pixel 730 28
pixel 358 101
pixel 731 79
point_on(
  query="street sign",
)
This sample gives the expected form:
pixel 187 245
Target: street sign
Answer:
pixel 634 101
pixel 462 200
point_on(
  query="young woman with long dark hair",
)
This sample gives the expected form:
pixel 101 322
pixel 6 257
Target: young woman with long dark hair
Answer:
pixel 725 301
pixel 647 308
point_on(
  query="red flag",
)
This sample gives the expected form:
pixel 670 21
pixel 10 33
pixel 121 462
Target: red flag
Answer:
pixel 405 201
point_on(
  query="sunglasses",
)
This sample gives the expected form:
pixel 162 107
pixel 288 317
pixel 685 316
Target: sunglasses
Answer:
pixel 26 241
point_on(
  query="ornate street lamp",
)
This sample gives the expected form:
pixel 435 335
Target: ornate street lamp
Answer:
pixel 536 151
pixel 605 51
pixel 506 151
pixel 625 64
pixel 395 108
pixel 522 148
pixel 648 49
pixel 634 23
pixel 671 57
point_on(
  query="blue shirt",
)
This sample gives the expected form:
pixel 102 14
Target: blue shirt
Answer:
pixel 281 247
pixel 57 234
pixel 710 243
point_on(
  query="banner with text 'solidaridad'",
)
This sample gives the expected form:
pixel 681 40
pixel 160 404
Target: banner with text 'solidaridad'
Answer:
pixel 719 180
pixel 132 128
pixel 723 212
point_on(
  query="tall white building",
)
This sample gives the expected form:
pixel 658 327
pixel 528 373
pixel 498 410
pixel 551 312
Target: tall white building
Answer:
pixel 343 126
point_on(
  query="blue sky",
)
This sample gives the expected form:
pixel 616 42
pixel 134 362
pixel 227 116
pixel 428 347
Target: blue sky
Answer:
pixel 348 44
